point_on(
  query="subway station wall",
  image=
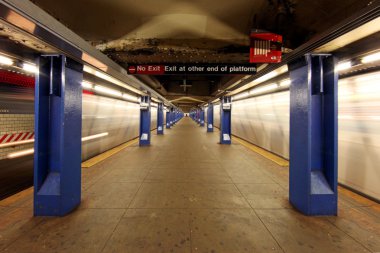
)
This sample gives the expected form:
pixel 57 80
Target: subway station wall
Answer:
pixel 264 121
pixel 217 116
pixel 153 118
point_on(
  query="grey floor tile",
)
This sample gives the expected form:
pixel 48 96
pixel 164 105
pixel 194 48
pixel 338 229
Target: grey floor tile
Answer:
pixel 298 233
pixel 14 222
pixel 360 225
pixel 188 195
pixel 151 230
pixel 109 195
pixel 85 230
pixel 230 230
pixel 125 175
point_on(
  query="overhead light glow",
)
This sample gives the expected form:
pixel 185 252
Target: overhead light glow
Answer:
pixel 105 77
pixel 266 77
pixel 343 66
pixel 371 58
pixel 265 88
pixel 155 100
pixel 89 69
pixel 29 68
pixel 285 83
pixel 87 85
pixel 5 60
pixel 108 91
pixel 130 97
pixel 241 95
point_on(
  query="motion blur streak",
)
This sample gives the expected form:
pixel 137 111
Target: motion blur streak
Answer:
pixel 264 121
pixel 21 153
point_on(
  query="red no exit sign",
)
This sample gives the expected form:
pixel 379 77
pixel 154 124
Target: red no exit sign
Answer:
pixel 146 70
pixel 192 69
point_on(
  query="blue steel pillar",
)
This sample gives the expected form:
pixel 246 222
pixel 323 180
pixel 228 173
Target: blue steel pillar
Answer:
pixel 313 135
pixel 225 120
pixel 171 117
pixel 210 118
pixel 202 117
pixel 144 139
pixel 160 118
pixel 175 114
pixel 58 128
pixel 168 119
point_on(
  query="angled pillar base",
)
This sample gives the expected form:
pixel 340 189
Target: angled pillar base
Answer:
pixel 58 125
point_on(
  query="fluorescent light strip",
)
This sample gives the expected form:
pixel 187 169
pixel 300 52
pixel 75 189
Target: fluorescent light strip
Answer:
pixel 266 77
pixel 371 58
pixel 87 85
pixel 285 83
pixel 5 60
pixel 108 78
pixel 29 68
pixel 265 88
pixel 241 95
pixel 108 91
pixel 130 97
pixel 156 100
pixel 343 66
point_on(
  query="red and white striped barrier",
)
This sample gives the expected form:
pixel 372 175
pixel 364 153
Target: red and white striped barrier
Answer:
pixel 16 138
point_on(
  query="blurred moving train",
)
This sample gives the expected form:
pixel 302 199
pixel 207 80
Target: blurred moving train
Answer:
pixel 264 121
pixel 106 123
pixel 261 120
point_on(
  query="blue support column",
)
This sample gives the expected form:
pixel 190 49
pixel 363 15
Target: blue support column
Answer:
pixel 225 120
pixel 210 118
pixel 144 139
pixel 202 117
pixel 160 118
pixel 168 120
pixel 58 129
pixel 171 117
pixel 313 135
pixel 175 116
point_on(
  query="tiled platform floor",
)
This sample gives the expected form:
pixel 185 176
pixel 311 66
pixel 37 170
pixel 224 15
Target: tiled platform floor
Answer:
pixel 186 193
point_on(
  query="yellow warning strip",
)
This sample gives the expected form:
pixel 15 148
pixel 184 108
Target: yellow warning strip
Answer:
pixel 274 158
pixel 99 158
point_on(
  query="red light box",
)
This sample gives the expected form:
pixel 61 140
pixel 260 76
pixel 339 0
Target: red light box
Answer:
pixel 265 47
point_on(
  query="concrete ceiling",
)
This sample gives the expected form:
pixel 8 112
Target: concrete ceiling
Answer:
pixel 201 31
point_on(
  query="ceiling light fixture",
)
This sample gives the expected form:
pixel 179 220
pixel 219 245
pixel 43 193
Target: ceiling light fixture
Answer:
pixel 108 91
pixel 265 88
pixel 284 83
pixel 130 97
pixel 371 58
pixel 343 66
pixel 87 85
pixel 29 68
pixel 5 60
pixel 241 95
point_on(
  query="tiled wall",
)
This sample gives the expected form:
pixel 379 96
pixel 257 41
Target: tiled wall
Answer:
pixel 15 123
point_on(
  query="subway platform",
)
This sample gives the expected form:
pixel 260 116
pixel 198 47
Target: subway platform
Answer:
pixel 187 193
